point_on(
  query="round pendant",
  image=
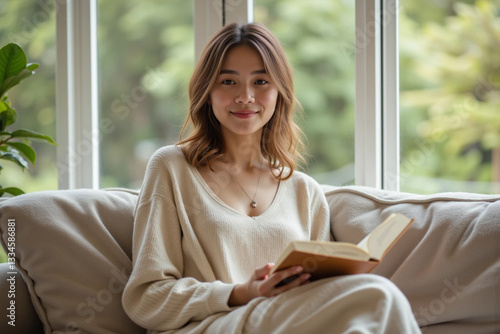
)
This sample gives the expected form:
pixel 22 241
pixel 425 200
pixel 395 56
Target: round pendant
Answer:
pixel 254 204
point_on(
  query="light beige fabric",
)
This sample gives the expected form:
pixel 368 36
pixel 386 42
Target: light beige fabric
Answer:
pixel 348 304
pixel 73 249
pixel 190 249
pixel 69 243
pixel 447 263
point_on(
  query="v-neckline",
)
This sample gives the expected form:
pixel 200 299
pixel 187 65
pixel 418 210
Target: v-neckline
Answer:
pixel 209 190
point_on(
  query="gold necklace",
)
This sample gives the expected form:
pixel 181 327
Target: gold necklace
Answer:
pixel 253 203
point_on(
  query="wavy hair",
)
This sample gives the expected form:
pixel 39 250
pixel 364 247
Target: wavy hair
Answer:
pixel 281 137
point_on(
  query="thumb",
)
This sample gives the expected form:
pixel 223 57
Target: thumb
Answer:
pixel 262 272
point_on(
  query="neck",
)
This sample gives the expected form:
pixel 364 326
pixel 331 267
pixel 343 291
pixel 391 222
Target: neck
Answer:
pixel 244 152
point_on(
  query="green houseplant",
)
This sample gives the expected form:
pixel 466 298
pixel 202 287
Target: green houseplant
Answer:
pixel 15 146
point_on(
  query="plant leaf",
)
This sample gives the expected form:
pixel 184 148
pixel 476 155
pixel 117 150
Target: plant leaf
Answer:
pixel 14 157
pixel 25 150
pixel 32 66
pixel 12 60
pixel 11 190
pixel 4 105
pixel 10 82
pixel 8 115
pixel 22 133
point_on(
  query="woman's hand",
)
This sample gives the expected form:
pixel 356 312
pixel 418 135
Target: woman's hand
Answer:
pixel 263 285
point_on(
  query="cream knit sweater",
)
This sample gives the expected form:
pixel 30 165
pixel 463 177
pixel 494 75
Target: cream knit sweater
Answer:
pixel 190 249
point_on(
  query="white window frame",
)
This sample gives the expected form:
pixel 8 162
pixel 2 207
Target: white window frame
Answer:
pixel 211 15
pixel 377 95
pixel 377 86
pixel 208 18
pixel 390 94
pixel 368 107
pixel 76 98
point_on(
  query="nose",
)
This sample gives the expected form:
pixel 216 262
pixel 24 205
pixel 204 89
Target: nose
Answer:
pixel 245 95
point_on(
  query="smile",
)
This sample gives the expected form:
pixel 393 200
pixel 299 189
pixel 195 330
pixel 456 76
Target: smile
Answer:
pixel 244 113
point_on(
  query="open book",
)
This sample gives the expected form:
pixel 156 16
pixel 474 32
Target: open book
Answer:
pixel 325 259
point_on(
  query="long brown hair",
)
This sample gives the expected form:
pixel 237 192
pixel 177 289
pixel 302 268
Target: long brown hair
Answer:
pixel 281 137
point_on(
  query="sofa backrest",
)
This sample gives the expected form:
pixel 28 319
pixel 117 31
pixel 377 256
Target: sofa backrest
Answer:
pixel 447 263
pixel 73 249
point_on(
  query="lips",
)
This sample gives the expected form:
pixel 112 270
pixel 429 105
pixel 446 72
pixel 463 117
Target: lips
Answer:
pixel 244 113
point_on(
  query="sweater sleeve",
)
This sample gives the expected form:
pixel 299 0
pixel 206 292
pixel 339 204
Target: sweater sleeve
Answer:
pixel 156 296
pixel 319 212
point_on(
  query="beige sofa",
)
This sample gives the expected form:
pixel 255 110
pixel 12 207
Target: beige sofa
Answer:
pixel 72 254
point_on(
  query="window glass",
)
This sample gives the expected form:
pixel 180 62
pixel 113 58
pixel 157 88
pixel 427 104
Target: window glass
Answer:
pixel 450 95
pixel 146 57
pixel 318 37
pixel 31 24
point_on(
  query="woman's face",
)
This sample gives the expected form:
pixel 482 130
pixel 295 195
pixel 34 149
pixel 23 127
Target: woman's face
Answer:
pixel 243 98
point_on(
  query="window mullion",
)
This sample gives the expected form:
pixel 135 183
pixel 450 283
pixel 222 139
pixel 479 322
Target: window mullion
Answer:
pixel 76 100
pixel 390 90
pixel 208 17
pixel 368 120
pixel 238 11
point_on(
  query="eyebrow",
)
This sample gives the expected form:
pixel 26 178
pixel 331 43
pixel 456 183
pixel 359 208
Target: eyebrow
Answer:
pixel 236 72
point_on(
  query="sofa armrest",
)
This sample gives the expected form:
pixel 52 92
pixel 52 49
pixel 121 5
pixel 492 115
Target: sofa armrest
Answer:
pixel 15 303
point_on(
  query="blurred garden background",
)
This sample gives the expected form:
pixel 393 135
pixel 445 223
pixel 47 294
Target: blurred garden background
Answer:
pixel 449 86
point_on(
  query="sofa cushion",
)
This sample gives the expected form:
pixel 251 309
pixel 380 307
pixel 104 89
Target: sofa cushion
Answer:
pixel 73 249
pixel 447 263
pixel 18 314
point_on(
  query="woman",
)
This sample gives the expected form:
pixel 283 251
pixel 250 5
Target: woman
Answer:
pixel 216 209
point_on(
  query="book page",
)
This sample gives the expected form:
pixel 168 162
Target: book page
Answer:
pixel 335 248
pixel 381 239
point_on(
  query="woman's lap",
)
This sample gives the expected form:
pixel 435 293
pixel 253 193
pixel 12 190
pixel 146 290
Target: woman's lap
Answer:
pixel 353 304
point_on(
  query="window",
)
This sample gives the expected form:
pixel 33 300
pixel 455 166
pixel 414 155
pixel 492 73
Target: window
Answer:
pixel 145 59
pixel 450 96
pixel 318 37
pixel 31 24
pixel 346 73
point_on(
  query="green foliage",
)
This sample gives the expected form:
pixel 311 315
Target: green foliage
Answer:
pixel 318 38
pixel 452 91
pixel 15 146
pixel 143 95
pixel 449 117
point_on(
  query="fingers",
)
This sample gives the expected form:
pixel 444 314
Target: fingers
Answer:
pixel 263 285
pixel 287 275
pixel 262 272
pixel 284 280
pixel 294 281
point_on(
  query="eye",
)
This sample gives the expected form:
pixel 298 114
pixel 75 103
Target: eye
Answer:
pixel 228 82
pixel 261 82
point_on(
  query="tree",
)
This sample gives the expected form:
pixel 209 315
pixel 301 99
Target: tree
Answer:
pixel 146 58
pixel 459 62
